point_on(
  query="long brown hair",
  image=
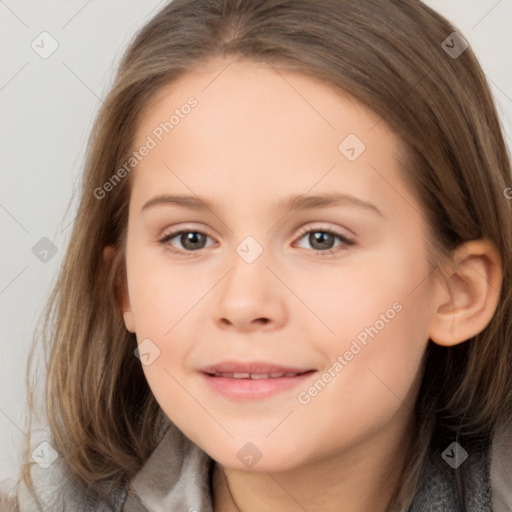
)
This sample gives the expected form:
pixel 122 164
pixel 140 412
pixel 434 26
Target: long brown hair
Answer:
pixel 388 54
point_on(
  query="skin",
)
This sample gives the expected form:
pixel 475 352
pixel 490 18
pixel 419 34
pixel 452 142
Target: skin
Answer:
pixel 252 140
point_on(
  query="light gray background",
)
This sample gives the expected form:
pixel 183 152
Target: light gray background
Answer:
pixel 47 109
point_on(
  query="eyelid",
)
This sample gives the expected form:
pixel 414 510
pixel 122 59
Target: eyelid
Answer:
pixel 347 240
pixel 185 229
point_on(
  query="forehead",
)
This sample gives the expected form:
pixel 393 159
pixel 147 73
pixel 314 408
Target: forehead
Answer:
pixel 256 90
pixel 254 129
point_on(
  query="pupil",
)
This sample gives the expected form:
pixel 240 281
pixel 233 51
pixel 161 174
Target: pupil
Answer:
pixel 189 240
pixel 323 239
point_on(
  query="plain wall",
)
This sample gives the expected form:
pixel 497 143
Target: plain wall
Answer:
pixel 48 107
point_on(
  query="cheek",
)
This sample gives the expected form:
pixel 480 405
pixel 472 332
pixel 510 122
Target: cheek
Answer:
pixel 374 295
pixel 161 295
pixel 161 292
pixel 378 310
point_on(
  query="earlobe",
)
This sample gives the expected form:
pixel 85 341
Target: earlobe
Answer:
pixel 128 321
pixel 122 297
pixel 468 296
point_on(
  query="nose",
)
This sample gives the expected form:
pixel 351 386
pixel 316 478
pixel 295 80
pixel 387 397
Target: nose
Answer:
pixel 250 297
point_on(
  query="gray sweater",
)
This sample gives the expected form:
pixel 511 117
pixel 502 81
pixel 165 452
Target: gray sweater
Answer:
pixel 176 478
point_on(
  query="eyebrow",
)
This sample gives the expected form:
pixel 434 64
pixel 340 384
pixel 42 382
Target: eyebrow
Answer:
pixel 289 203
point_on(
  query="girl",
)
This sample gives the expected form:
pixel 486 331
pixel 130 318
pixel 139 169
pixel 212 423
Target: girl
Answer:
pixel 340 338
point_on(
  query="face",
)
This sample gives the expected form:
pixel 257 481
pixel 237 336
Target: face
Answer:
pixel 251 270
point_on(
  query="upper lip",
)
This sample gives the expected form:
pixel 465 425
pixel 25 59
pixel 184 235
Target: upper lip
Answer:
pixel 256 367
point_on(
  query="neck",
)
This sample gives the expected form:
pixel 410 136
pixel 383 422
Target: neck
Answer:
pixel 362 477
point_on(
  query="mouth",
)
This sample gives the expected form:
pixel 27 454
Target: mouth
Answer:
pixel 256 376
pixel 250 381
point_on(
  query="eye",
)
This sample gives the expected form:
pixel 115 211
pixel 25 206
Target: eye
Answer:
pixel 190 240
pixel 322 240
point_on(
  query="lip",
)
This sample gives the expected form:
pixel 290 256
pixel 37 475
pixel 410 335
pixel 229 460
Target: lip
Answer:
pixel 252 389
pixel 251 367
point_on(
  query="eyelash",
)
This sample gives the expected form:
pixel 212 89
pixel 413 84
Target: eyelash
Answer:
pixel 304 231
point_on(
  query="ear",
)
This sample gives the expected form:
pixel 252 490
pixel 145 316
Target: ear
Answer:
pixel 122 298
pixel 468 295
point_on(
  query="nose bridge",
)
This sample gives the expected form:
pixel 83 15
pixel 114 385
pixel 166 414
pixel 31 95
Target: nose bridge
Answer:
pixel 247 293
pixel 248 269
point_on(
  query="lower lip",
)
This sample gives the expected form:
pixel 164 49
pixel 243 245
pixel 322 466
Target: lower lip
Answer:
pixel 253 389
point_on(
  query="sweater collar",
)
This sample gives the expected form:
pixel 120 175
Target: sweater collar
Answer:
pixel 455 476
pixel 178 476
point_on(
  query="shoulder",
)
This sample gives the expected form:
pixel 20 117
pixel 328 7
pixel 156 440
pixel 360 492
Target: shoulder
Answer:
pixel 54 490
pixel 501 468
pixel 175 477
